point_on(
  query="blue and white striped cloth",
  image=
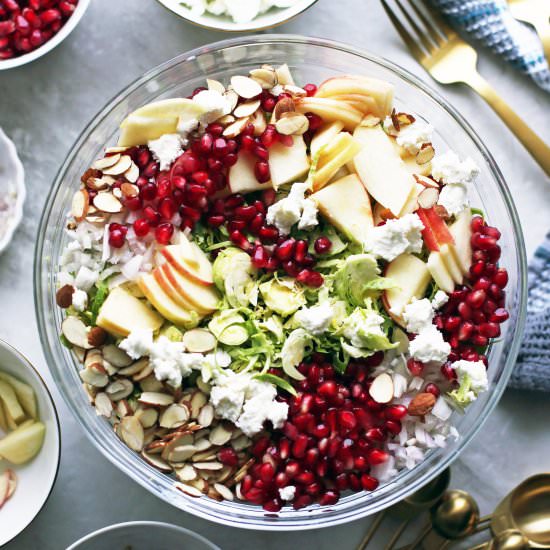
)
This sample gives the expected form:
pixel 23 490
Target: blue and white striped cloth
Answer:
pixel 491 23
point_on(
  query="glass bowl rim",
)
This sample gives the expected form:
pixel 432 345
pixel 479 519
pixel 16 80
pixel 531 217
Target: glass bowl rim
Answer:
pixel 401 491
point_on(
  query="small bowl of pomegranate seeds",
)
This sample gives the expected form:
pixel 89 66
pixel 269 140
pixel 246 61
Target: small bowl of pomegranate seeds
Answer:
pixel 274 293
pixel 31 28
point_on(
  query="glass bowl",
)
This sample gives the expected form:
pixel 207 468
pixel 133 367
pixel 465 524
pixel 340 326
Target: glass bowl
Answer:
pixel 311 60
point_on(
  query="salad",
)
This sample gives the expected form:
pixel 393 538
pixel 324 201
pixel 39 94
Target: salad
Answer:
pixel 280 293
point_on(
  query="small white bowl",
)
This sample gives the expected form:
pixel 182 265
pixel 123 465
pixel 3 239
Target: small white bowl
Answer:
pixel 268 20
pixel 67 28
pixel 143 535
pixel 35 479
pixel 12 182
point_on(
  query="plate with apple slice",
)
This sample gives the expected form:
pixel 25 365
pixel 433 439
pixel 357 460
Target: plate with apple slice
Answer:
pixel 286 294
pixel 29 443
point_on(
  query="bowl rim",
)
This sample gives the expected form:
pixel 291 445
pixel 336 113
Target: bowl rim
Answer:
pixel 161 524
pixel 203 21
pixel 24 360
pixel 267 524
pixel 48 46
pixel 21 190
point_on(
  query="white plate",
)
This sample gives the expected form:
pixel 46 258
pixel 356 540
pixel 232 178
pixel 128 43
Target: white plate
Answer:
pixel 48 46
pixel 12 185
pixel 143 535
pixel 35 479
pixel 267 20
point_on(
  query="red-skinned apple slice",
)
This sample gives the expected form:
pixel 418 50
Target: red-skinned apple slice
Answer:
pixel 435 233
pixel 440 272
pixel 174 256
pixel 462 233
pixel 171 291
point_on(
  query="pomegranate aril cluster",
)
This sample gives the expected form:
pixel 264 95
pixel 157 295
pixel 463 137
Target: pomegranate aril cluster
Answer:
pixel 474 313
pixel 332 438
pixel 27 24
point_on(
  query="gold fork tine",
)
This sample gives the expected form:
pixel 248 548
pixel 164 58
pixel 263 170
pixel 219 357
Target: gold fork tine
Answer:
pixel 422 36
pixel 441 34
pixel 404 33
pixel 441 25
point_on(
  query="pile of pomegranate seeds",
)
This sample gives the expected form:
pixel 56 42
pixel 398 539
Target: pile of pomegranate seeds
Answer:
pixel 27 24
pixel 473 315
pixel 333 436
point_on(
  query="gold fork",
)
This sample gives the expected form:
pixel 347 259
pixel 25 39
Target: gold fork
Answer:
pixel 450 60
pixel 537 13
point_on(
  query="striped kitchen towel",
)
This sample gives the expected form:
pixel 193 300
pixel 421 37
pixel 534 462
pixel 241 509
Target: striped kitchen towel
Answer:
pixel 533 368
pixel 491 23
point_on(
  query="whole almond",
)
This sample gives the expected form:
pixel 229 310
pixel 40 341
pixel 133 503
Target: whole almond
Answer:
pixel 422 404
pixel 97 336
pixel 64 296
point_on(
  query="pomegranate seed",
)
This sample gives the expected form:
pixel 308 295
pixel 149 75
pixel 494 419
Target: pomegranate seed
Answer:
pixel 347 420
pixel 116 238
pixel 188 213
pixel 49 16
pixel 240 240
pixel 500 278
pixel 415 367
pixel 267 472
pixel 491 232
pixel 148 192
pixel 477 269
pixel 483 283
pixel 322 245
pixel 164 232
pixel 395 412
pixel 433 389
pixel 256 223
pixel 268 103
pixel 167 208
pixel 328 388
pixel 153 217
pixel 299 446
pixel 377 456
pixel 310 89
pixel 300 251
pixel 22 25
pixel 369 483
pixel 219 147
pixel 375 434
pixel 269 136
pixel 6 28
pixel 259 257
pixel 448 372
pixel 285 250
pixel 479 340
pixel 268 234
pixel 477 224
pixel 301 502
pixel 215 129
pixel 392 426
pixel 245 212
pixel 141 227
pixel 452 323
pixel 465 331
pixel 247 143
pixel 273 505
pixel 329 497
pixel 499 315
pixel 261 171
pixel 465 310
pixel 215 221
pixel 476 298
pixel 489 330
pixel 311 278
pixel 228 456
pixel 315 121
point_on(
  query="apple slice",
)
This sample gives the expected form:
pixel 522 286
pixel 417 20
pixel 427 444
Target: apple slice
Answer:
pixel 440 272
pixel 451 263
pixel 201 275
pixel 241 176
pixel 171 291
pixel 203 299
pixel 324 135
pixel 3 420
pixel 411 277
pixel 165 305
pixel 11 403
pixel 23 444
pixel 288 164
pixel 122 313
pixel 330 110
pixel 346 205
pixel 380 91
pixel 25 394
pixel 339 151
pixel 462 233
pixel 4 488
pixel 362 103
pixel 188 251
pixel 381 169
pixel 436 232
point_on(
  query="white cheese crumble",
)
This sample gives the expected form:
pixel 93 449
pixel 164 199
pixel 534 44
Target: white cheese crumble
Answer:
pixel 294 208
pixel 166 149
pixel 448 168
pixel 80 299
pixel 396 237
pixel 454 198
pixel 439 300
pixel 418 315
pixel 413 136
pixel 287 493
pixel 138 343
pixel 316 319
pixel 477 374
pixel 429 346
pixel 214 104
pixel 85 278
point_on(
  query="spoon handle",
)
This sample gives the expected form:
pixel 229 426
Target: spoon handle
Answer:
pixel 421 536
pixel 372 530
pixel 396 535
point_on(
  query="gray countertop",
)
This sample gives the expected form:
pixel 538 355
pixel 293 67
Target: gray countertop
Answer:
pixel 44 106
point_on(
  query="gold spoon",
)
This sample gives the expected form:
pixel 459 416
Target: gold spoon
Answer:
pixel 510 539
pixel 410 507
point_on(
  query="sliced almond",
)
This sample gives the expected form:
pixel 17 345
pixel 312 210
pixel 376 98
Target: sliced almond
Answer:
pixel 224 491
pixel 123 408
pixel 203 386
pixel 98 219
pixel 117 192
pixel 181 453
pixel 197 402
pixel 215 86
pixel 202 444
pixel 245 87
pixel 226 120
pixel 147 417
pixel 284 105
pixel 234 129
pixel 94 377
pixel 428 197
pixel 186 473
pixel 156 399
pixel 284 75
pixel 405 119
pixel 395 120
pixel 206 415
pixel 75 331
pixel 259 122
pixel 174 416
pixel 107 202
pixel 120 167
pixel 145 372
pixel 130 431
pixel 106 162
pixel 426 154
pixel 156 447
pixel 224 474
pixel 150 384
pixel 381 389
pixel 98 184
pixel 199 340
pixel 425 181
pixel 188 489
pixel 80 205
pixel 134 368
pixel 246 109
pixel 219 435
pixel 208 465
pixel 232 99
pixel 370 121
pixel 94 358
pixel 120 389
pixel 292 124
pixel 103 405
pixel 242 442
pixel 266 77
pixel 132 174
pixel 295 91
pixel 116 356
pixel 156 461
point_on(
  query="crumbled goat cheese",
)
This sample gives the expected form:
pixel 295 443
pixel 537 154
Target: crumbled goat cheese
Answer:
pixel 185 127
pixel 413 136
pixel 418 315
pixel 287 493
pixel 214 104
pixel 227 395
pixel 166 149
pixel 396 237
pixel 454 198
pixel 138 343
pixel 171 363
pixel 439 300
pixel 477 374
pixel 316 319
pixel 85 278
pixel 80 300
pixel 448 168
pixel 429 346
pixel 292 209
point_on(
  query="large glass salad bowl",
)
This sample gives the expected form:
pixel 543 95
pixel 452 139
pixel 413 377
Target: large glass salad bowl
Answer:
pixel 311 60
